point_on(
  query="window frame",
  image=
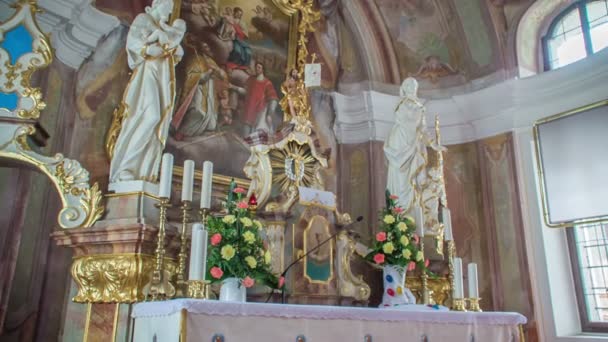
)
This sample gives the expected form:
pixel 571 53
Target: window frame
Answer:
pixel 582 11
pixel 586 325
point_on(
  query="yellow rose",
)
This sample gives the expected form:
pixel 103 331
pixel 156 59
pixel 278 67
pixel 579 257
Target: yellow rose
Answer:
pixel 402 226
pixel 419 256
pixel 404 240
pixel 251 262
pixel 227 252
pixel 267 257
pixel 388 219
pixel 388 248
pixel 229 219
pixel 246 222
pixel 249 237
pixel 257 224
pixel 407 254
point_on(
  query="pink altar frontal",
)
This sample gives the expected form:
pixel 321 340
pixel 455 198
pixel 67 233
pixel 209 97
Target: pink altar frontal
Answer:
pixel 189 320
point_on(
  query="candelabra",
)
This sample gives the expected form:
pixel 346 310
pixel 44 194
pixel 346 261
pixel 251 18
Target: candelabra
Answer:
pixel 160 286
pixel 451 253
pixel 182 284
pixel 424 276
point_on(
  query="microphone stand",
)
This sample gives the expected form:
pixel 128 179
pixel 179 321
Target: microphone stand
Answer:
pixel 359 219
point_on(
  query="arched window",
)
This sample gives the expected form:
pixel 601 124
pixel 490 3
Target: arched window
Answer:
pixel 579 31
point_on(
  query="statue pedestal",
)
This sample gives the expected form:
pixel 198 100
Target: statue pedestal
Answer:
pixel 126 207
pixel 112 264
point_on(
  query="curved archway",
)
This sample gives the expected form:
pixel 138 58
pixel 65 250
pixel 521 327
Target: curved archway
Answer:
pixel 529 30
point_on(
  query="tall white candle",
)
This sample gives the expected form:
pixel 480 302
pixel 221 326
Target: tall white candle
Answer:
pixel 198 257
pixel 472 277
pixel 419 217
pixel 206 187
pixel 188 180
pixel 166 175
pixel 447 224
pixel 458 292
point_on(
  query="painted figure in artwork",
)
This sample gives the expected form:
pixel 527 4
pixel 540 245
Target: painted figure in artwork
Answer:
pixel 153 49
pixel 197 107
pixel 240 56
pixel 260 100
pixel 405 147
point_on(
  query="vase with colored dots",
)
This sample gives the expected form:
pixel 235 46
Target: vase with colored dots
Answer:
pixel 395 292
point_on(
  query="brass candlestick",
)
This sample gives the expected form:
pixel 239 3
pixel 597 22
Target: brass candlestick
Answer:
pixel 160 286
pixel 458 304
pixel 451 253
pixel 424 276
pixel 182 284
pixel 474 304
pixel 204 212
pixel 198 289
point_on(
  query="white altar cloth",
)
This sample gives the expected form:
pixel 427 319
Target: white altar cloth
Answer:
pixel 208 320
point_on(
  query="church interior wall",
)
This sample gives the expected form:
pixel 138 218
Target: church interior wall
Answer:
pixel 489 165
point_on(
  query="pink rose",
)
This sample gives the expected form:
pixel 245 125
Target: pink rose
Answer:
pixel 398 210
pixel 281 281
pixel 411 266
pixel 248 282
pixel 427 262
pixel 242 205
pixel 239 190
pixel 380 237
pixel 216 272
pixel 379 258
pixel 416 239
pixel 394 197
pixel 216 239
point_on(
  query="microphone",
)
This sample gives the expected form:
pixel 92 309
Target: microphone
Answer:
pixel 319 245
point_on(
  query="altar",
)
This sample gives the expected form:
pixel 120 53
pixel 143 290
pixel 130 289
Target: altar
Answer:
pixel 209 320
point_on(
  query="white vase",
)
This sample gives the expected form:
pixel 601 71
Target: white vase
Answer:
pixel 233 291
pixel 395 292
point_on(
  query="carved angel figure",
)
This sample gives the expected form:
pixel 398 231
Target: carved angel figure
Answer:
pixel 153 49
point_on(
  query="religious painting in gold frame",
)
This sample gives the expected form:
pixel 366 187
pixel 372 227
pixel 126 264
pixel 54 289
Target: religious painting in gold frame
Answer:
pixel 318 265
pixel 237 53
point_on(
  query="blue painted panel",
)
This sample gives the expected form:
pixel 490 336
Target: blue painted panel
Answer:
pixel 9 101
pixel 17 42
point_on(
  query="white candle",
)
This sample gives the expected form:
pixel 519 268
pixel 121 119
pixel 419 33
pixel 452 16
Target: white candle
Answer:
pixel 473 284
pixel 206 186
pixel 419 217
pixel 447 224
pixel 166 175
pixel 188 180
pixel 198 255
pixel 458 292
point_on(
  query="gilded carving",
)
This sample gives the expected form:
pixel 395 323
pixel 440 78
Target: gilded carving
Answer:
pixel 82 204
pixel 349 284
pixel 439 289
pixel 109 278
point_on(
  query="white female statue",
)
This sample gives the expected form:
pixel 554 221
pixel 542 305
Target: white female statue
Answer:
pixel 153 49
pixel 405 147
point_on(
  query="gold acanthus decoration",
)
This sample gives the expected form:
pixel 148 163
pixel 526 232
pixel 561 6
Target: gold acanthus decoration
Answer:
pixel 349 284
pixel 296 103
pixel 114 278
pixel 15 78
pixel 82 203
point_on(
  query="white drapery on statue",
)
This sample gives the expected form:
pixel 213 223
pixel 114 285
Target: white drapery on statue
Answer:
pixel 153 50
pixel 405 147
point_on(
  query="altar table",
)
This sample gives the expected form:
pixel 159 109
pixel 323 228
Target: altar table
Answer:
pixel 189 320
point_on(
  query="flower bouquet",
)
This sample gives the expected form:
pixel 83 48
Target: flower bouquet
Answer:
pixel 396 249
pixel 236 256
